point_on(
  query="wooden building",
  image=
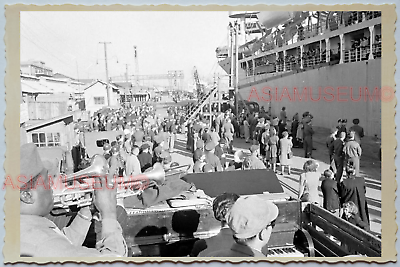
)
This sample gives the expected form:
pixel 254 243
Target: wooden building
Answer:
pixel 96 96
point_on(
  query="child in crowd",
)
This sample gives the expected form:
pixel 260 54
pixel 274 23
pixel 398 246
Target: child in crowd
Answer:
pixel 330 193
pixel 350 214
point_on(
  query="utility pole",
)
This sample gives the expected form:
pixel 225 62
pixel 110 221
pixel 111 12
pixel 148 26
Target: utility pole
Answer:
pixel 232 56
pixel 126 72
pixel 136 64
pixel 219 95
pixel 236 69
pixel 79 82
pixel 107 85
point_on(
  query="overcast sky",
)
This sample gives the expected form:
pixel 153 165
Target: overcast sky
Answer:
pixel 68 42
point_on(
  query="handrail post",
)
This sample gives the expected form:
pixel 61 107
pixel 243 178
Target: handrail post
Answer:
pixel 371 41
pixel 340 48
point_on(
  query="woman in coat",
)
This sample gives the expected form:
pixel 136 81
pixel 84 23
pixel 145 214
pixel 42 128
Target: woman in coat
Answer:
pixel 285 149
pixel 293 129
pixel 309 182
pixel 273 147
pixel 354 189
pixel 265 141
pixel 246 126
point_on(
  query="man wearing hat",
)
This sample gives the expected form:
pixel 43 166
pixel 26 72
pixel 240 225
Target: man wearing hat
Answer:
pixel 342 126
pixel 211 159
pixel 214 135
pixel 251 220
pixel 117 166
pixel 40 237
pixel 145 157
pixel 352 152
pixel 282 115
pixel 206 134
pixel 199 161
pixel 338 155
pixel 256 163
pixel 359 131
pixel 220 152
pixel 164 160
pixel 133 163
pixel 308 133
pixel 228 132
pixel 157 153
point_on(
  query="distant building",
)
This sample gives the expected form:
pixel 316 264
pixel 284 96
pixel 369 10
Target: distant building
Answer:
pixel 35 68
pixel 57 131
pixel 96 96
pixel 43 97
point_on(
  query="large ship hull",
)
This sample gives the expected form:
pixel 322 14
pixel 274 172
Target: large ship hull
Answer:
pixel 332 92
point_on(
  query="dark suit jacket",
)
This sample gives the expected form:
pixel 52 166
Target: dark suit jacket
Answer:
pixel 308 131
pixel 337 148
pixel 146 160
pixel 353 189
pixel 223 240
pixel 331 194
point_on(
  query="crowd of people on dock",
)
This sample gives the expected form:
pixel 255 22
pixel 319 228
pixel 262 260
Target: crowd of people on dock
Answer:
pixel 147 142
pixel 272 143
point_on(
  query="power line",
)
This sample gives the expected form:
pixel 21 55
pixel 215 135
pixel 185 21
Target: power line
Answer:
pixel 38 46
pixel 59 38
pixel 107 81
pixel 49 46
pixel 41 46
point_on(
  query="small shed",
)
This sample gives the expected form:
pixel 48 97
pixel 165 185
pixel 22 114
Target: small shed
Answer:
pixel 96 96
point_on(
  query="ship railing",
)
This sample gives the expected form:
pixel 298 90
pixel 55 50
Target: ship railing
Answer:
pixel 355 17
pixel 260 63
pixel 265 68
pixel 334 55
pixel 292 65
pixel 377 49
pixel 356 54
pixel 350 18
pixel 323 57
pixel 334 22
pixel 310 31
pixel 279 67
pixel 267 47
pixel 311 62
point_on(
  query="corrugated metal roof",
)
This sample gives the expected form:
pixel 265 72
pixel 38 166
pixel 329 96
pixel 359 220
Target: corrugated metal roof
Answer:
pixel 46 87
pixel 34 87
pixel 37 124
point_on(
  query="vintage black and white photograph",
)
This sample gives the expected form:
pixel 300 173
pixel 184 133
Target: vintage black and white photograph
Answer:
pixel 201 134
